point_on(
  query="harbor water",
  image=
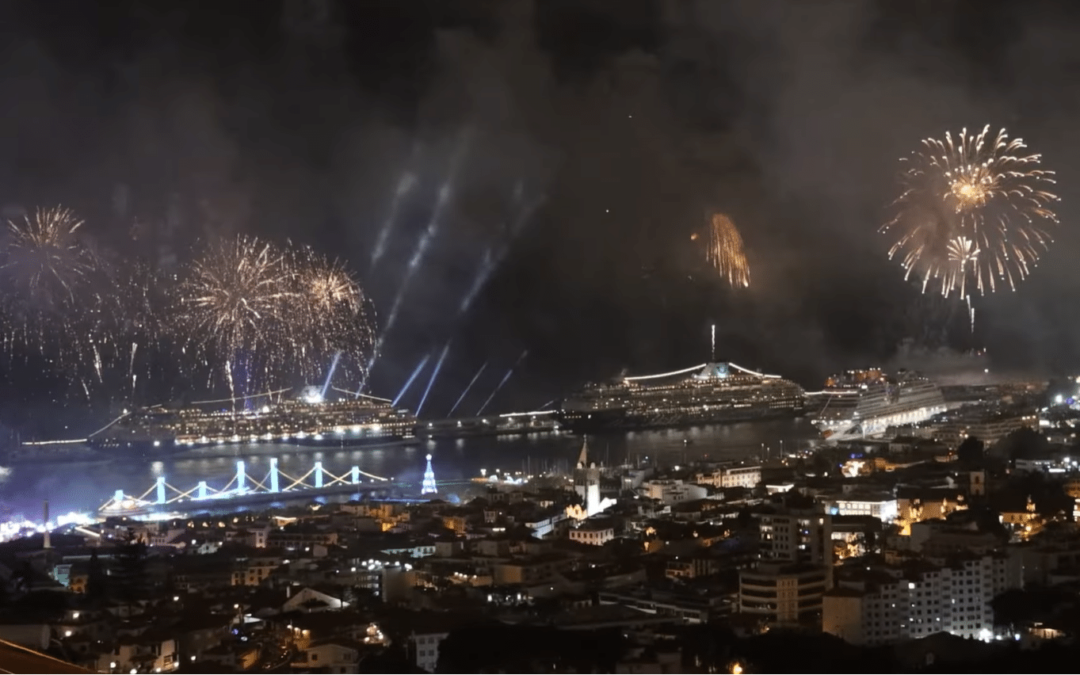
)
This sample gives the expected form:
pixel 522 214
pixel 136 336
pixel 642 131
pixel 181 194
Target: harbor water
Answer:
pixel 83 486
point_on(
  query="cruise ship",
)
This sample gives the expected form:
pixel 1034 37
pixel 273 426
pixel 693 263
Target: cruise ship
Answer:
pixel 868 402
pixel 708 393
pixel 308 420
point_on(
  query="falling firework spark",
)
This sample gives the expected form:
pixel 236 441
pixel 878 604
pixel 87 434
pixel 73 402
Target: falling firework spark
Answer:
pixel 971 213
pixel 725 251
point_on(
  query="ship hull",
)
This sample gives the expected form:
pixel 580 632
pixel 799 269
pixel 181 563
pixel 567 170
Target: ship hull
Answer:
pixel 622 420
pixel 161 448
pixel 152 448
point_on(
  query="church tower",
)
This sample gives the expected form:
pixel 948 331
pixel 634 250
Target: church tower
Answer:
pixel 587 481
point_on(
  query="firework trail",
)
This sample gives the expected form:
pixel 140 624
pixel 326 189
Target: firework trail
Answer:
pixel 492 260
pixel 428 235
pixel 466 389
pixel 725 251
pixel 431 380
pixel 404 186
pixel 408 382
pixel 972 212
pixel 502 382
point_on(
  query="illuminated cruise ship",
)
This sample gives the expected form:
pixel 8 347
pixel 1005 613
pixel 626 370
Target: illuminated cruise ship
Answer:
pixel 868 402
pixel 306 420
pixel 704 394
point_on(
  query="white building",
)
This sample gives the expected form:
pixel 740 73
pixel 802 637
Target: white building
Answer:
pixel 319 602
pixel 883 508
pixel 426 648
pixel 739 476
pixel 587 486
pixel 673 491
pixel 334 656
pixel 896 606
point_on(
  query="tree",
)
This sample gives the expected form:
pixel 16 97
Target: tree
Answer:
pixel 130 572
pixel 970 451
pixel 95 580
pixel 1024 443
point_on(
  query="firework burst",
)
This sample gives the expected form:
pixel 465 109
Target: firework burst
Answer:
pixel 234 306
pixel 48 299
pixel 334 313
pixel 972 213
pixel 265 315
pixel 44 260
pixel 725 251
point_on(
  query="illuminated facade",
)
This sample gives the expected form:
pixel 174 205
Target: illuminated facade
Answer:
pixel 704 394
pixel 867 403
pixel 351 421
pixel 728 477
pixel 891 605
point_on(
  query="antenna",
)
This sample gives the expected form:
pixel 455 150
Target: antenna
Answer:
pixel 712 354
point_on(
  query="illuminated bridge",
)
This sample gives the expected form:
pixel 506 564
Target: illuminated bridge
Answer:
pixel 244 489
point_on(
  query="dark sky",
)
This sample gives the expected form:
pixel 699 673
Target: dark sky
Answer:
pixel 623 122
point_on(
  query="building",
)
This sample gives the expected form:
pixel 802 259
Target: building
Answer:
pixel 593 532
pixel 253 571
pixel 730 477
pixel 796 536
pixel 927 505
pixel 986 424
pixel 783 593
pixel 881 507
pixel 587 484
pixel 673 491
pixel 891 604
pixel 330 656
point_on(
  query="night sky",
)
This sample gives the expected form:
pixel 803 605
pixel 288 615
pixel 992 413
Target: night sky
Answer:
pixel 580 143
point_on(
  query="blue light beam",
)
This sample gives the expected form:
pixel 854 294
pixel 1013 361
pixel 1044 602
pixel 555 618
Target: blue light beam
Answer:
pixel 434 374
pixel 502 382
pixel 467 388
pixel 408 383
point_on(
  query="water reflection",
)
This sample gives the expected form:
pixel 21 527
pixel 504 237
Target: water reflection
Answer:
pixel 84 486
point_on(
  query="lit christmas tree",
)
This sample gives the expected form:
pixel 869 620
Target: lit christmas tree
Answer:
pixel 428 487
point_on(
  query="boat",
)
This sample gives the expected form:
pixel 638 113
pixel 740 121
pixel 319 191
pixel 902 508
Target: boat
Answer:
pixel 708 393
pixel 161 431
pixel 865 403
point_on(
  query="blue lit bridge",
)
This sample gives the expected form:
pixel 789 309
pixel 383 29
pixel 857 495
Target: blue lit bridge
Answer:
pixel 244 488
